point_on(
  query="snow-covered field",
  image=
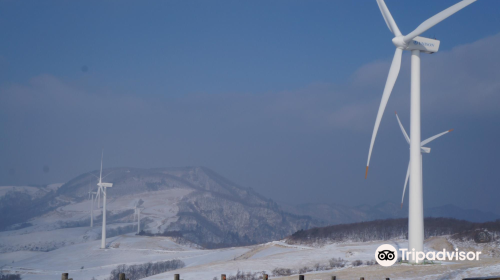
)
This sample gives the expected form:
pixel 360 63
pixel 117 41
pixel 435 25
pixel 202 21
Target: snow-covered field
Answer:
pixel 48 232
pixel 86 260
pixel 34 191
pixel 61 241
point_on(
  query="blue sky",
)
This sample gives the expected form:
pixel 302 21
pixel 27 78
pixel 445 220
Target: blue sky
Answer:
pixel 280 96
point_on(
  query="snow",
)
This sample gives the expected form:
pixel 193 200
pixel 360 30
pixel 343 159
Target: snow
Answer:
pixel 76 250
pixel 13 257
pixel 46 233
pixel 31 190
pixel 24 239
pixel 205 264
pixel 98 263
pixel 271 252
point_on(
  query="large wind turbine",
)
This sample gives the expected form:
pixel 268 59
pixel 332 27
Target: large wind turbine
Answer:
pixel 411 42
pixel 423 150
pixel 102 189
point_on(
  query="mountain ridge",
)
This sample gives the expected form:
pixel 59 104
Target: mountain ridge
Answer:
pixel 195 202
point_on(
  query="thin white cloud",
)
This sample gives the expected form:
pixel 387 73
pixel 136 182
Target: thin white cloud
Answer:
pixel 463 80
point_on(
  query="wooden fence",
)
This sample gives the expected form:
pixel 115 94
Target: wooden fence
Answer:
pixel 121 276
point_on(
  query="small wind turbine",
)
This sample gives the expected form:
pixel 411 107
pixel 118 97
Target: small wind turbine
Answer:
pixel 423 150
pixel 91 197
pixel 137 212
pixel 411 42
pixel 102 189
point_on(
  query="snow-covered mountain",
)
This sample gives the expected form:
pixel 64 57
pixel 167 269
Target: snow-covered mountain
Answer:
pixel 194 202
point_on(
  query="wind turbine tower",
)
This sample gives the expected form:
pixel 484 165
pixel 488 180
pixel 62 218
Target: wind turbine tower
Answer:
pixel 91 197
pixel 411 42
pixel 137 212
pixel 102 189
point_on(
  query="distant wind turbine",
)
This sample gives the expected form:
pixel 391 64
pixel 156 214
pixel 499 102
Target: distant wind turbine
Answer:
pixel 102 189
pixel 423 150
pixel 137 212
pixel 91 198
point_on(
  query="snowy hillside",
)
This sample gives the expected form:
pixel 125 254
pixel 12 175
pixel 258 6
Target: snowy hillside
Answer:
pixel 194 202
pixel 277 258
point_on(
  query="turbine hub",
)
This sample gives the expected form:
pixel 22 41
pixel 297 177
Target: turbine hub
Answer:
pixel 399 42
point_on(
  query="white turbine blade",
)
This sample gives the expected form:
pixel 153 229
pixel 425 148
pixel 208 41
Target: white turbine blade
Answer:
pixel 99 197
pixel 406 182
pixel 389 85
pixel 107 175
pixel 90 186
pixel 426 25
pixel 434 137
pixel 403 129
pixel 388 18
pixel 100 174
pixel 95 197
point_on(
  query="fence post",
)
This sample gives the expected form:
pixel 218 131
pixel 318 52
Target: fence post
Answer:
pixel 121 276
pixel 362 278
pixel 334 277
pixel 301 277
pixel 64 276
pixel 265 277
pixel 223 277
pixel 177 277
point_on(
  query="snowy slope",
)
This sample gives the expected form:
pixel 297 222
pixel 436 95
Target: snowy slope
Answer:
pixel 206 264
pixel 196 202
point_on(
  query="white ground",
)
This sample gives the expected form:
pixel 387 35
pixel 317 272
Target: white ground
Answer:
pixel 33 191
pixel 46 232
pixel 206 264
pixel 79 252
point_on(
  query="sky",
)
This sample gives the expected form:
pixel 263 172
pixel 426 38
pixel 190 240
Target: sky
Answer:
pixel 280 96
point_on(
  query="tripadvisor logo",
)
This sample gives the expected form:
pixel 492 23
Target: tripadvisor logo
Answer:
pixel 387 255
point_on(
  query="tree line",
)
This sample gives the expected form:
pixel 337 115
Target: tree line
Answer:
pixel 139 271
pixel 393 229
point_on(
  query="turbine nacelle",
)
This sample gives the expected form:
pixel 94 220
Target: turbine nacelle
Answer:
pixel 105 185
pixel 422 44
pixel 425 150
